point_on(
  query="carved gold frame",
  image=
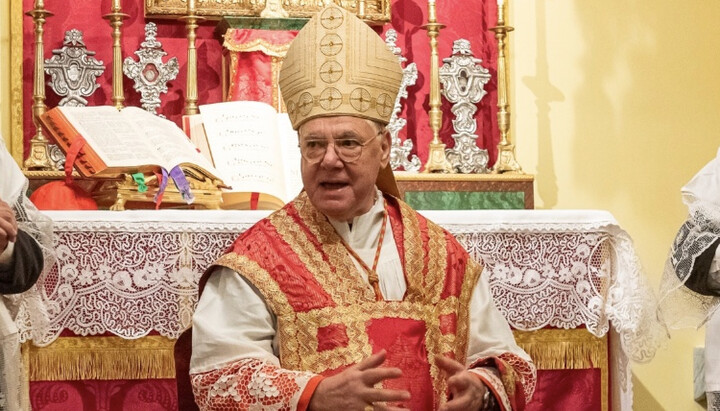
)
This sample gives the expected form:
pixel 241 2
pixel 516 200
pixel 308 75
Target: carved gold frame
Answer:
pixel 375 11
pixel 16 84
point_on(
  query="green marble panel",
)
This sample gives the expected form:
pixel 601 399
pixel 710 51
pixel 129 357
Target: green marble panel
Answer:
pixel 289 23
pixel 465 200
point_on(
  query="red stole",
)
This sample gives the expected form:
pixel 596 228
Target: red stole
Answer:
pixel 327 315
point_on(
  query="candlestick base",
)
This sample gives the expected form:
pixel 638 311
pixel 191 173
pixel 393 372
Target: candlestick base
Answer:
pixel 38 158
pixel 506 162
pixel 437 162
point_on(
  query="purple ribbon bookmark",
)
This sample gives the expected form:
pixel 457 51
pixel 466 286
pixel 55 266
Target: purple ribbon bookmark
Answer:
pixel 182 184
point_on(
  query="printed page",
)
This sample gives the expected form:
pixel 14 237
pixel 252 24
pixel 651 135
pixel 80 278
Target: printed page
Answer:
pixel 134 137
pixel 168 140
pixel 243 141
pixel 291 156
pixel 118 143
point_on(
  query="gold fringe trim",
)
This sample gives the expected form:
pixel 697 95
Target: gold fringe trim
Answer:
pixel 115 358
pixel 101 358
pixel 553 349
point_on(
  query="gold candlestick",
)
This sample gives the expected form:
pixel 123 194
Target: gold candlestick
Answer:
pixel 191 94
pixel 437 162
pixel 506 162
pixel 115 18
pixel 38 157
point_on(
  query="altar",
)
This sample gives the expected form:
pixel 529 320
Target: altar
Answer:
pixel 125 287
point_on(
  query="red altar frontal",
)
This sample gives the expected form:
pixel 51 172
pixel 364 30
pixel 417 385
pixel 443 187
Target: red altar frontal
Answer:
pixel 125 287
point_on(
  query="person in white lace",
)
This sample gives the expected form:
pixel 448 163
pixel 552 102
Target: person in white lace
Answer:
pixel 691 283
pixel 25 250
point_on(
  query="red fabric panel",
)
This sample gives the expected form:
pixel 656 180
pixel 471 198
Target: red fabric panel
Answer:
pixel 182 351
pixel 448 323
pixel 263 244
pixel 456 261
pixel 471 22
pixel 331 337
pixel 109 395
pixel 468 20
pixel 561 390
pixel 404 341
pixel 577 390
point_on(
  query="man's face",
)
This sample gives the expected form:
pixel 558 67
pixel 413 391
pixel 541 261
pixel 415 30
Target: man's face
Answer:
pixel 339 189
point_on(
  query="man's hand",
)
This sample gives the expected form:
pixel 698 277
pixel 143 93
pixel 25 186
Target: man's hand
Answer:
pixel 466 389
pixel 353 389
pixel 8 225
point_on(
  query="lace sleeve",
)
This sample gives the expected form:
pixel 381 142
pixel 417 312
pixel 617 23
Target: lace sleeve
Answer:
pixel 252 384
pixel 515 382
pixel 28 308
pixel 680 305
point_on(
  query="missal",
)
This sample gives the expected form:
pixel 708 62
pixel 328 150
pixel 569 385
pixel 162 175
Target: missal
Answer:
pixel 255 150
pixel 246 145
pixel 123 141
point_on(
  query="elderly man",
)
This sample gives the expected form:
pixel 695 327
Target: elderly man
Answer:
pixel 346 298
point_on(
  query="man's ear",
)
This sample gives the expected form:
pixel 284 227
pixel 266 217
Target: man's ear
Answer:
pixel 385 145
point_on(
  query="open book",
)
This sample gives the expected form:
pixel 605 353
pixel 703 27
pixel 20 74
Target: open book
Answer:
pixel 123 141
pixel 255 150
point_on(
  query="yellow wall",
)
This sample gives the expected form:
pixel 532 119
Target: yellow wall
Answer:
pixel 614 107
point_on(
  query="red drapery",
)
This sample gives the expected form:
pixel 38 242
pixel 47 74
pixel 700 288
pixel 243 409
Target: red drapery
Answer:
pixel 109 395
pixel 577 390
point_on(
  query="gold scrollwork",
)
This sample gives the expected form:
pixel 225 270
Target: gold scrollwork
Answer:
pixel 372 11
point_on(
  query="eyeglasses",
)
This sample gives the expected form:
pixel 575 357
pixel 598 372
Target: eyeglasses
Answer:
pixel 348 150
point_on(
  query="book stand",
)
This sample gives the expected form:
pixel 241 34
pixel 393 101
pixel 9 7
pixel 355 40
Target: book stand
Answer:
pixel 117 193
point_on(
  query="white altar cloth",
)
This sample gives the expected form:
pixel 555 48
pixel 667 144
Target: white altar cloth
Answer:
pixel 130 273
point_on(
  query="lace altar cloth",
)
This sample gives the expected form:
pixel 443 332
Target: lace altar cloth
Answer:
pixel 133 272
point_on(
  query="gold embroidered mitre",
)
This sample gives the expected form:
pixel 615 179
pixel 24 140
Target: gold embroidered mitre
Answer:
pixel 337 65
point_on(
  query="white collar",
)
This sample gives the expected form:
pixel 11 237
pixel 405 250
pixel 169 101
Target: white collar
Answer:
pixel 365 227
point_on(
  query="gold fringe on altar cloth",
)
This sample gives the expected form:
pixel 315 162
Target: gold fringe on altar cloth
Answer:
pixel 555 349
pixel 115 358
pixel 105 358
pixel 101 358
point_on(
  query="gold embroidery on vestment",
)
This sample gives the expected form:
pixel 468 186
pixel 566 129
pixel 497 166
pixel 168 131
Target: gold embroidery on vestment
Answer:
pixel 355 304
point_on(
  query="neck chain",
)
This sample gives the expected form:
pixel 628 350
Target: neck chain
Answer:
pixel 372 272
